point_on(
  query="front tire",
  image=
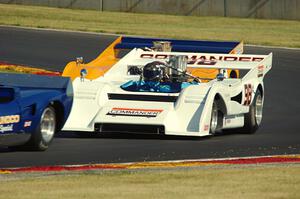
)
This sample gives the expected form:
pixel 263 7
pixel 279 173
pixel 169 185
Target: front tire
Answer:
pixel 214 119
pixel 254 117
pixel 44 133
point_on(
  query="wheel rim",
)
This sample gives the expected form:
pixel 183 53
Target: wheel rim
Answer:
pixel 214 119
pixel 48 124
pixel 258 109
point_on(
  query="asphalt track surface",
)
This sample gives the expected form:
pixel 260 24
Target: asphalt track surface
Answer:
pixel 278 134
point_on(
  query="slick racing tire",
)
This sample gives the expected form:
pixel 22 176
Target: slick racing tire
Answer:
pixel 44 133
pixel 214 119
pixel 254 117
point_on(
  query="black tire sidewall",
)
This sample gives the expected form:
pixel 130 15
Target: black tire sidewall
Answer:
pixel 215 105
pixel 251 125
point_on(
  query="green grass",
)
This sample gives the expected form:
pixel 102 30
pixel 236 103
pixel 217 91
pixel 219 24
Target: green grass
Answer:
pixel 8 68
pixel 8 71
pixel 215 183
pixel 251 31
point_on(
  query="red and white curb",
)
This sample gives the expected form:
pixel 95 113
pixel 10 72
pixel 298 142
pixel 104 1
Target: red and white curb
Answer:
pixel 160 164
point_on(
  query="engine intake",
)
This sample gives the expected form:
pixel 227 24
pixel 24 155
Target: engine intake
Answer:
pixel 178 64
pixel 162 46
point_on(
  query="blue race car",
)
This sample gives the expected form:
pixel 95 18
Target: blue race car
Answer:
pixel 32 109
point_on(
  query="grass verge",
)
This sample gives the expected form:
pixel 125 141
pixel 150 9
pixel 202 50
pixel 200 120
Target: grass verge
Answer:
pixel 281 181
pixel 252 31
pixel 11 68
pixel 15 69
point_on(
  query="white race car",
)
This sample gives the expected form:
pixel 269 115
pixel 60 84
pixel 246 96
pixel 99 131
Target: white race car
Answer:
pixel 155 91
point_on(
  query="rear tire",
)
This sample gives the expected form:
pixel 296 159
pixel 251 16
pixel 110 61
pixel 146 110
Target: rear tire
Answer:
pixel 254 117
pixel 44 133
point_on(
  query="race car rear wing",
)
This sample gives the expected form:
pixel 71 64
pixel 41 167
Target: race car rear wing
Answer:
pixel 258 65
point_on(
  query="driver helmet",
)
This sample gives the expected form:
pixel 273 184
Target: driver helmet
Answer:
pixel 153 71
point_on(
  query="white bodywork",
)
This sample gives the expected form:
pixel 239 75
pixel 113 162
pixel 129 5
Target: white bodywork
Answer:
pixel 190 115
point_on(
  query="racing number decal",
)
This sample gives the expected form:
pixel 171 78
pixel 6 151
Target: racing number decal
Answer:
pixel 248 94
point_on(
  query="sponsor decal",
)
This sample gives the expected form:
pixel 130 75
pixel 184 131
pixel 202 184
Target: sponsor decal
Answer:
pixel 27 123
pixel 205 60
pixel 260 69
pixel 9 119
pixel 134 112
pixel 227 121
pixel 6 128
pixel 206 127
pixel 248 94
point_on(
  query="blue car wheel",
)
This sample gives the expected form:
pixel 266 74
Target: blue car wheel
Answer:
pixel 43 136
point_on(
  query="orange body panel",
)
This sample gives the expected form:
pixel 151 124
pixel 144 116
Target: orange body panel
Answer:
pixel 95 68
